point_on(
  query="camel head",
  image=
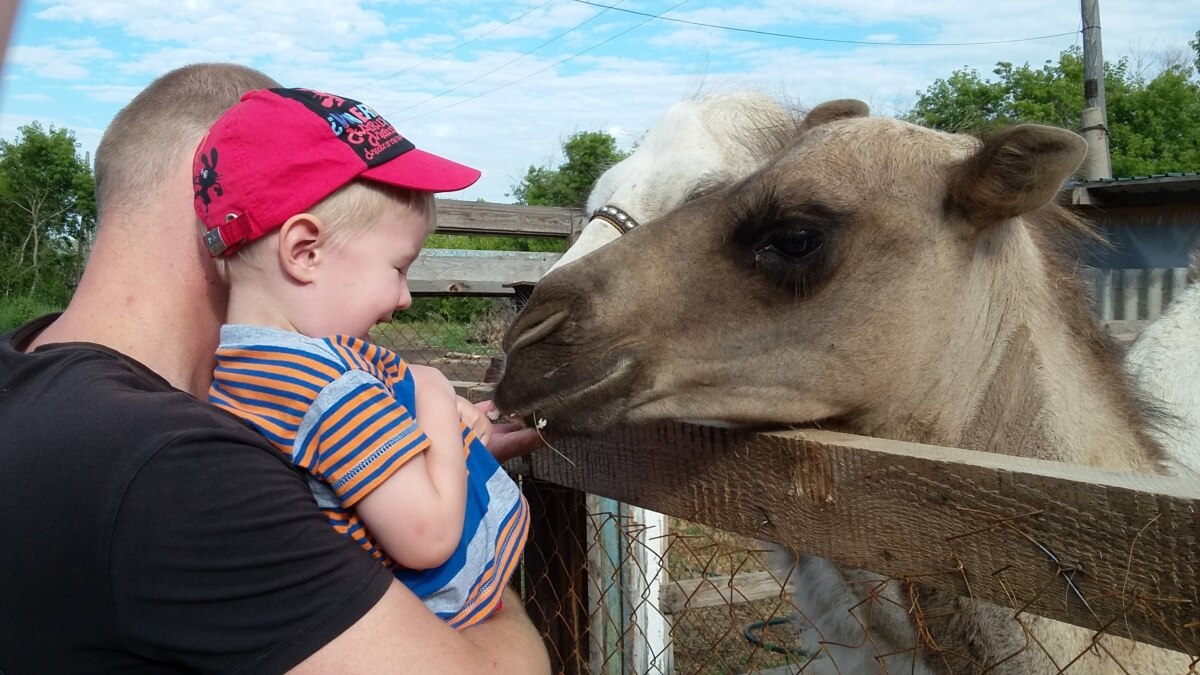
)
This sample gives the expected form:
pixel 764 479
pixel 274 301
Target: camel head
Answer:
pixel 872 270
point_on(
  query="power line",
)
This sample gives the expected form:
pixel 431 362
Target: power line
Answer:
pixel 553 65
pixel 458 46
pixel 817 39
pixel 503 65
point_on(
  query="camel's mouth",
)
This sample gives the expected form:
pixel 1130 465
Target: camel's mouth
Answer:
pixel 577 405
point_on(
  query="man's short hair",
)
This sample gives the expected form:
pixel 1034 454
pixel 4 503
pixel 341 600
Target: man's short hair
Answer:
pixel 160 128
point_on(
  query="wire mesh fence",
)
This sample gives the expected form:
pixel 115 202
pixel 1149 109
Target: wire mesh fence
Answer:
pixel 456 339
pixel 732 605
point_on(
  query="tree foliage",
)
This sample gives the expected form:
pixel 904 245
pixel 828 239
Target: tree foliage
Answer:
pixel 47 214
pixel 1154 124
pixel 588 154
pixel 1195 45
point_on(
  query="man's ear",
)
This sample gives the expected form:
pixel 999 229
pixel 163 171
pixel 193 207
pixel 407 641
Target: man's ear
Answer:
pixel 300 249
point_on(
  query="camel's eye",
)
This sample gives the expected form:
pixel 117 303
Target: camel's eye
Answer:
pixel 791 246
pixel 796 244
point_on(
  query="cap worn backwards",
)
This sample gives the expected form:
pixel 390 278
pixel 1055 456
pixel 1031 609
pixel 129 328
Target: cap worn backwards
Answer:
pixel 280 151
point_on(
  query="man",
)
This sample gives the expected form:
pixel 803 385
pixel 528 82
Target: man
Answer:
pixel 148 531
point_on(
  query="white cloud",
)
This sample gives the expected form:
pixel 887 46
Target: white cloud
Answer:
pixel 64 60
pixel 111 93
pixel 499 104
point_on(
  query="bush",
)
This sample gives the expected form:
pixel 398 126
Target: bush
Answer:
pixel 18 310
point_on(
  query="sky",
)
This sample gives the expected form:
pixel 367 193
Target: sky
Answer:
pixel 501 85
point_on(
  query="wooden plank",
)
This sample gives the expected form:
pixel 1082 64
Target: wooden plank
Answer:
pixel 715 591
pixel 439 271
pixel 974 523
pixel 1124 332
pixel 456 216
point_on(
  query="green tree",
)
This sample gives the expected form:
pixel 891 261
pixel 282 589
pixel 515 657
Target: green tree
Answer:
pixel 1195 45
pixel 47 214
pixel 1154 125
pixel 588 154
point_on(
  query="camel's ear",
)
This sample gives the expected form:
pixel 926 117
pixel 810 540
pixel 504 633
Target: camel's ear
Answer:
pixel 1014 172
pixel 830 111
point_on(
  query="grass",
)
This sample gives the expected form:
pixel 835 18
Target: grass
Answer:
pixel 16 311
pixel 402 336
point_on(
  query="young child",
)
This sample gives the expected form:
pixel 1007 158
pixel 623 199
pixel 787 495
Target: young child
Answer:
pixel 316 208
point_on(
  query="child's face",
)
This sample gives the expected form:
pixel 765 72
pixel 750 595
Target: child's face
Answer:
pixel 363 279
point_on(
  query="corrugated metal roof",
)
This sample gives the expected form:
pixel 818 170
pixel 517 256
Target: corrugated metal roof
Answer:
pixel 1147 180
pixel 1157 190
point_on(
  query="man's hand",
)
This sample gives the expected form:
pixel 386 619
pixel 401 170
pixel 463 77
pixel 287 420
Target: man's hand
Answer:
pixel 510 438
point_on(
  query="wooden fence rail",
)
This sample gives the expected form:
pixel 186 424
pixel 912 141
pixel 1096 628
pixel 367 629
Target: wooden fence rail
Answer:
pixel 984 525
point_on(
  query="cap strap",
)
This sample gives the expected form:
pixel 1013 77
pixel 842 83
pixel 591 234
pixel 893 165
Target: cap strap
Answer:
pixel 228 236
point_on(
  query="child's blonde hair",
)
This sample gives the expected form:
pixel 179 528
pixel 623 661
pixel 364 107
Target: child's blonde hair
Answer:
pixel 344 213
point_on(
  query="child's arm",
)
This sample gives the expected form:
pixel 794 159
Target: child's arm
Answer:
pixel 416 515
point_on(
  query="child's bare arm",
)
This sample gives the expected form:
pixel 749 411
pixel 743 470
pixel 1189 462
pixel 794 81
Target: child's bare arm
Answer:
pixel 416 515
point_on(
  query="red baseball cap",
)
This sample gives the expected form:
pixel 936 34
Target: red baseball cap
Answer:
pixel 280 151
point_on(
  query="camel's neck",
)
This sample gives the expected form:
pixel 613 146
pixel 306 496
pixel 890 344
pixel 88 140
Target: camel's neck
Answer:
pixel 1024 379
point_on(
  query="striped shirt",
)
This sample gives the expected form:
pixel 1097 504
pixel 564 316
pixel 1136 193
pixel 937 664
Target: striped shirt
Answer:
pixel 343 410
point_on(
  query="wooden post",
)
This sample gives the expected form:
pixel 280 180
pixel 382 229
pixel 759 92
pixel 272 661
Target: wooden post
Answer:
pixel 1178 281
pixel 1154 293
pixel 653 651
pixel 1104 294
pixel 555 573
pixel 1131 281
pixel 606 616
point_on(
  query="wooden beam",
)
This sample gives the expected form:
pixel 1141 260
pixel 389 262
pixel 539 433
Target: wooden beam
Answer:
pixel 440 271
pixel 979 524
pixel 456 216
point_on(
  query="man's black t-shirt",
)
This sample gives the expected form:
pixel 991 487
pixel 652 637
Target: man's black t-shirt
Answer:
pixel 145 530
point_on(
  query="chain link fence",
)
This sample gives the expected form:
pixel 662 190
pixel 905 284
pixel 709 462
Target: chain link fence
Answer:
pixel 459 340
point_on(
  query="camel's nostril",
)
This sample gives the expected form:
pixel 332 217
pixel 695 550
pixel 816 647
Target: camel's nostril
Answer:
pixel 539 330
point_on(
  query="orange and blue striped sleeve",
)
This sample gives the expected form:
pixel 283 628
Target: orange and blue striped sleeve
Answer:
pixel 271 387
pixel 356 435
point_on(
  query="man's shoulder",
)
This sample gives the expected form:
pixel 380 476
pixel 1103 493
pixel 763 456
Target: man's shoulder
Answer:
pixel 63 397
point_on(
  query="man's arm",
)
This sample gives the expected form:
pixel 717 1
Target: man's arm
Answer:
pixel 399 635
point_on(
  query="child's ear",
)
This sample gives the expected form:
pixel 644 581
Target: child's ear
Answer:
pixel 300 248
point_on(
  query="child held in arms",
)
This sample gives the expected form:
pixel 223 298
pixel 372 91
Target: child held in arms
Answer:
pixel 316 207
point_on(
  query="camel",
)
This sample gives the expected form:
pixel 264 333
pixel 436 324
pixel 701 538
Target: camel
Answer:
pixel 1165 362
pixel 876 278
pixel 699 143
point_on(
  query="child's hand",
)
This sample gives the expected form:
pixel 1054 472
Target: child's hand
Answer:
pixel 476 417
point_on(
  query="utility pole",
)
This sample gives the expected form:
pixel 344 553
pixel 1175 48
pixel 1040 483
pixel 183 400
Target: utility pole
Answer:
pixel 1097 165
